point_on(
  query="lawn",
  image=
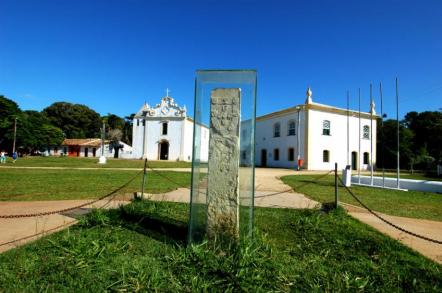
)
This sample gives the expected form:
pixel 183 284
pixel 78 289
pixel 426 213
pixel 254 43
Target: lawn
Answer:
pixel 414 204
pixel 44 184
pixel 142 247
pixel 93 163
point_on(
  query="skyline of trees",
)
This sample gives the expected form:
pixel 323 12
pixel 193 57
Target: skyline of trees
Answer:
pixel 420 133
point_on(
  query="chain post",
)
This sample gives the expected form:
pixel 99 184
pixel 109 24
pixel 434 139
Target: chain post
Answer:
pixel 336 185
pixel 144 178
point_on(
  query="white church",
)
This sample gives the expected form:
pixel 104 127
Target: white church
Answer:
pixel 309 136
pixel 164 132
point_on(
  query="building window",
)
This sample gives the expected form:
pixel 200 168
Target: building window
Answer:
pixel 55 150
pixel 291 128
pixel 65 150
pixel 366 132
pixel 244 155
pixel 326 127
pixel 276 154
pixel 138 122
pixel 291 154
pixel 277 130
pixel 366 158
pixel 325 156
pixel 244 133
pixel 164 131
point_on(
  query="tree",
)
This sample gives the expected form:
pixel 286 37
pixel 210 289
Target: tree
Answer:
pixel 427 127
pixel 390 145
pixel 125 125
pixel 75 120
pixel 114 136
pixel 9 110
pixel 34 132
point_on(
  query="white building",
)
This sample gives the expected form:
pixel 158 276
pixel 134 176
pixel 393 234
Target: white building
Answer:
pixel 164 132
pixel 313 133
pixel 316 134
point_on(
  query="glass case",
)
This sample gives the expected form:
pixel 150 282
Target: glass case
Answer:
pixel 223 158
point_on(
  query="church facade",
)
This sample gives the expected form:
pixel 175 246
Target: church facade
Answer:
pixel 309 136
pixel 164 132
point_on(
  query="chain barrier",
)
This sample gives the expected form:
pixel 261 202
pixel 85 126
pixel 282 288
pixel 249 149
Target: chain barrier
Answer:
pixel 111 194
pixel 385 220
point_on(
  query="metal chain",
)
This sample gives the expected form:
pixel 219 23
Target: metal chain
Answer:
pixel 385 220
pixel 71 208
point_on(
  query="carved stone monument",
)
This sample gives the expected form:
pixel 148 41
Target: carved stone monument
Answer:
pixel 223 181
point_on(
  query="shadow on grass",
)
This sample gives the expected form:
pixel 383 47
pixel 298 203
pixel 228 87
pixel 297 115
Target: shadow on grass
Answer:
pixel 156 226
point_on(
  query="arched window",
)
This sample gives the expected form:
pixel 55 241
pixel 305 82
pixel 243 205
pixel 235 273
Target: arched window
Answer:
pixel 291 126
pixel 366 132
pixel 276 154
pixel 138 122
pixel 325 156
pixel 366 158
pixel 326 127
pixel 164 128
pixel 277 130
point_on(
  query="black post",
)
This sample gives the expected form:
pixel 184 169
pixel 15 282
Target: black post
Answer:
pixel 336 185
pixel 144 178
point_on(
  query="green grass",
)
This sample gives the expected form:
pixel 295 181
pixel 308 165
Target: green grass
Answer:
pixel 414 204
pixel 41 184
pixel 93 163
pixel 141 247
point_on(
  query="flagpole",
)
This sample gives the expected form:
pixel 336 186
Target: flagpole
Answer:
pixel 382 134
pixel 371 134
pixel 397 120
pixel 348 128
pixel 359 140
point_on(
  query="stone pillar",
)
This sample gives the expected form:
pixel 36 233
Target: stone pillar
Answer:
pixel 223 183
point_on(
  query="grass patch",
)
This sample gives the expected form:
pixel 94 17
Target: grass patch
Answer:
pixel 413 204
pixel 138 248
pixel 44 184
pixel 93 163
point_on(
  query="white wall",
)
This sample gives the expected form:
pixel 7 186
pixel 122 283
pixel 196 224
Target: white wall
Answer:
pixel 266 140
pixel 336 142
pixel 409 184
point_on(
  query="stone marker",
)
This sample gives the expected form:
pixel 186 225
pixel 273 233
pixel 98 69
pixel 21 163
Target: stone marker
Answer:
pixel 223 183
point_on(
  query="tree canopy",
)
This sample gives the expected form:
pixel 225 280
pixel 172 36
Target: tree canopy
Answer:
pixel 75 120
pixel 34 130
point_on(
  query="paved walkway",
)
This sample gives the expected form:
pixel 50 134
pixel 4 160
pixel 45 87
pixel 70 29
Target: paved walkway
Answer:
pixel 431 229
pixel 24 228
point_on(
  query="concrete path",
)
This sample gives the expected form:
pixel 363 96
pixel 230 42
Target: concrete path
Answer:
pixel 24 229
pixel 427 228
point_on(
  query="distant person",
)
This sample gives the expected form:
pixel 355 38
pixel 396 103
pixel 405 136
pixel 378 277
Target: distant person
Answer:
pixel 14 157
pixel 2 157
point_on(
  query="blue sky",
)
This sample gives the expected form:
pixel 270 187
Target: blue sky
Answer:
pixel 114 55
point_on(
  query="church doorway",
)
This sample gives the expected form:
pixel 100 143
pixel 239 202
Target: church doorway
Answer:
pixel 163 149
pixel 263 158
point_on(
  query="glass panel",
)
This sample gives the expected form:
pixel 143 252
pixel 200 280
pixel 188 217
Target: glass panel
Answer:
pixel 206 82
